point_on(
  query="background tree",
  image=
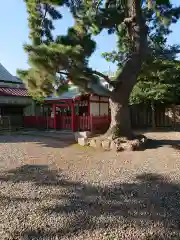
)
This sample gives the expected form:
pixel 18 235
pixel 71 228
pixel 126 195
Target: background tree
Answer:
pixel 158 81
pixel 159 85
pixel 54 60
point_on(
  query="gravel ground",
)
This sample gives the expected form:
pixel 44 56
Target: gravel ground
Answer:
pixel 49 190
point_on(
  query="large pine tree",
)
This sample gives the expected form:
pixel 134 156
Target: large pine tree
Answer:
pixel 52 61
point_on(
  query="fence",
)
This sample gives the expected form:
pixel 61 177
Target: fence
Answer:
pixel 11 122
pixel 141 117
pixel 63 122
pixel 36 122
pixel 82 123
pixel 5 123
pixel 100 123
pixel 165 116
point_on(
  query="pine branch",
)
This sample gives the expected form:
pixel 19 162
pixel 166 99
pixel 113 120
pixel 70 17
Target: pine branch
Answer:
pixel 68 56
pixel 46 8
pixel 138 32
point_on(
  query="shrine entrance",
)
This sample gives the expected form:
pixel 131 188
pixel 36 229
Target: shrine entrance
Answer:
pixel 63 116
pixel 70 114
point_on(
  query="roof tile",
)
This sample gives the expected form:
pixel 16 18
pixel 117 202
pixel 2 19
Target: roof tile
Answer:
pixel 16 92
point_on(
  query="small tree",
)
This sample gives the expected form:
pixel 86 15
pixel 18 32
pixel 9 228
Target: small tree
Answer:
pixel 68 56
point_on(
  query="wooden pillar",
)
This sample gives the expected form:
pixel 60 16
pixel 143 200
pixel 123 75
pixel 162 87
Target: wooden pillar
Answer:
pixel 73 116
pixel 54 112
pixel 89 112
pixel 99 106
pixel 153 115
pixel 174 116
pixel 91 123
pixel 33 108
pixel 89 107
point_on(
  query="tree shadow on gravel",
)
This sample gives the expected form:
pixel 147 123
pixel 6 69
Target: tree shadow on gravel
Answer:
pixel 38 174
pixel 150 202
pixel 153 143
pixel 41 140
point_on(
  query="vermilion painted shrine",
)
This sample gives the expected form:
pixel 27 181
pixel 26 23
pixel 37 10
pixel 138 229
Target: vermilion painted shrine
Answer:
pixel 71 111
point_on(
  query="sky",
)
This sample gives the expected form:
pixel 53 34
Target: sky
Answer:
pixel 14 33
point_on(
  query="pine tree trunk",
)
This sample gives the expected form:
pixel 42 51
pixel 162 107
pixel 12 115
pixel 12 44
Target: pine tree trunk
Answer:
pixel 120 125
pixel 120 120
pixel 120 132
pixel 120 116
pixel 120 135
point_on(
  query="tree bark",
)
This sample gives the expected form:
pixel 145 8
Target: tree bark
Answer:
pixel 120 120
pixel 120 125
pixel 120 115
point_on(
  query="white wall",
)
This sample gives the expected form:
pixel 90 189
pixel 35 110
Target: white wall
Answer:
pixel 94 108
pixel 30 109
pixel 104 109
pixel 99 108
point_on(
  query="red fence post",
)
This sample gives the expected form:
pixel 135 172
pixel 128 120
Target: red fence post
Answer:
pixel 54 111
pixel 36 125
pixel 91 123
pixel 73 118
pixel 89 107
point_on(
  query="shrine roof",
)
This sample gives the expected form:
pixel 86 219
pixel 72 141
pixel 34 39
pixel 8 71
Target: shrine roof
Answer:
pixel 72 93
pixel 6 76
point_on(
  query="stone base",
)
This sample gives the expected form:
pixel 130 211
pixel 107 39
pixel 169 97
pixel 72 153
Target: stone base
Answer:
pixel 83 141
pixel 119 144
pixel 84 134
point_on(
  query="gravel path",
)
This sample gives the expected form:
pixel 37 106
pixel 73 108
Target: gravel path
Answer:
pixel 50 191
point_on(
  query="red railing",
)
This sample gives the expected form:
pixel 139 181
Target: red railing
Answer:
pixel 50 122
pixel 92 123
pixel 38 122
pixel 29 121
pixel 63 122
pixel 100 123
pixel 41 121
pixel 82 123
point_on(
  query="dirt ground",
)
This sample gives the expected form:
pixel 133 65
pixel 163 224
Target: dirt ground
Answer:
pixel 55 190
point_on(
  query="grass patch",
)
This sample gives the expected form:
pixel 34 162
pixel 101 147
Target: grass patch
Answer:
pixel 76 145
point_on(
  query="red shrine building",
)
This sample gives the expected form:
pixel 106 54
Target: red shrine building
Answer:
pixel 71 111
